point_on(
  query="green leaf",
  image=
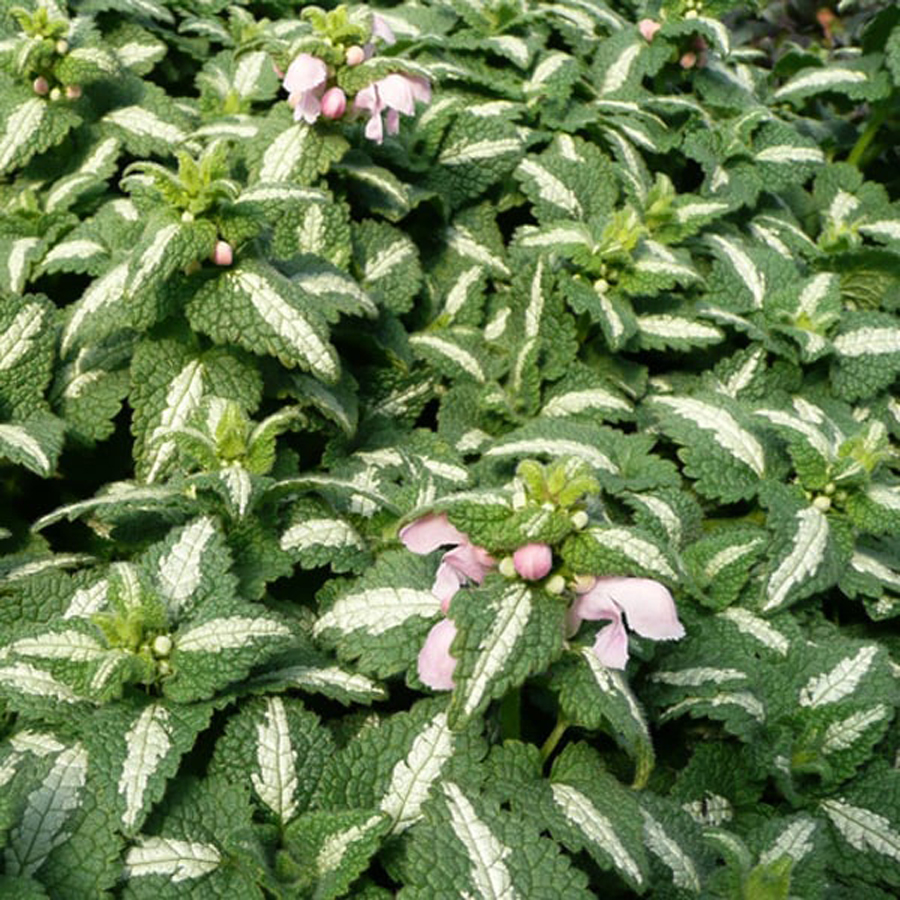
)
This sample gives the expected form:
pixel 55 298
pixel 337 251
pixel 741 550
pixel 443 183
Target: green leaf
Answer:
pixel 35 442
pixel 719 450
pixel 394 765
pixel 617 550
pixel 294 151
pixel 316 536
pixel 721 563
pixel 814 549
pixel 282 747
pixel 169 380
pixel 199 842
pixel 470 845
pixel 505 632
pixel 141 745
pixel 30 126
pixel 381 619
pixel 257 307
pixel 330 849
pixel 388 264
pixel 589 810
pixel 476 153
pixel 867 355
pixel 595 697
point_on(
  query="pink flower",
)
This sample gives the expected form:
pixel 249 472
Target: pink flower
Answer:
pixel 648 29
pixel 465 562
pixel 647 604
pixel 380 30
pixel 533 561
pixel 41 86
pixel 305 83
pixel 436 665
pixel 395 94
pixel 222 254
pixel 334 102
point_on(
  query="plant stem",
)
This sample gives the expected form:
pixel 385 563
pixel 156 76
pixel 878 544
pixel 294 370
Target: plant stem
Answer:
pixel 553 738
pixel 511 716
pixel 866 138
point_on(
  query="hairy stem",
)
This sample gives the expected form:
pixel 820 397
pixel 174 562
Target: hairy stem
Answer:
pixel 865 139
pixel 553 738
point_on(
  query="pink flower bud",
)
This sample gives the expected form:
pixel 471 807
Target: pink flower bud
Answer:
pixel 648 29
pixel 222 254
pixel 688 60
pixel 73 91
pixel 355 55
pixel 334 102
pixel 533 561
pixel 41 86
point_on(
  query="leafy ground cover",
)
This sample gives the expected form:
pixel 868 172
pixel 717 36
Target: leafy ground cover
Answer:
pixel 449 450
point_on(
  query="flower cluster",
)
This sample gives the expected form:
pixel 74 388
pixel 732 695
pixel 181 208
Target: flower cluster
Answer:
pixel 646 604
pixel 463 563
pixel 309 94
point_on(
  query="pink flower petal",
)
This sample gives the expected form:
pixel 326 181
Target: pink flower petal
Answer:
pixel 305 73
pixel 648 29
pixel 436 665
pixel 368 99
pixel 392 121
pixel 597 603
pixel 611 645
pixel 381 29
pixel 307 108
pixel 447 581
pixel 421 88
pixel 397 93
pixel 430 532
pixel 471 561
pixel 648 605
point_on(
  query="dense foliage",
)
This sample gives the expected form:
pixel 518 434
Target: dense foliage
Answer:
pixel 449 449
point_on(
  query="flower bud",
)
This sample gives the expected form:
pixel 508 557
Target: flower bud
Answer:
pixel 334 102
pixel 648 29
pixel 222 254
pixel 73 91
pixel 556 585
pixel 41 86
pixel 822 503
pixel 62 47
pixel 688 60
pixel 579 519
pixel 533 561
pixel 55 94
pixel 192 267
pixel 162 645
pixel 355 55
pixel 507 567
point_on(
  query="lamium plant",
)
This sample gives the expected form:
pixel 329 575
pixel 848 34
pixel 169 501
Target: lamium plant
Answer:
pixel 449 449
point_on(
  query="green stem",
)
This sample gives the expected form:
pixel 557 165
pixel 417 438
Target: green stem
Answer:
pixel 553 739
pixel 866 138
pixel 511 716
